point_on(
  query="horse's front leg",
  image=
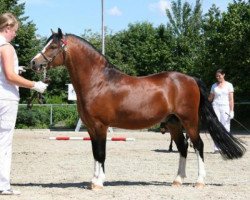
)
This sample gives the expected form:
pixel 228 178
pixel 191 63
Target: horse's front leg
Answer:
pixel 99 152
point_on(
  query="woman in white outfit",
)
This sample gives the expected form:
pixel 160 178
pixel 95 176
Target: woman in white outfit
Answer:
pixel 222 98
pixel 10 81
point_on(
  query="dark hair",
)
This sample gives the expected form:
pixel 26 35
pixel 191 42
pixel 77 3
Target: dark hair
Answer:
pixel 221 71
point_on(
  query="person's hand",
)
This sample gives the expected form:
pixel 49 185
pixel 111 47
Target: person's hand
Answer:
pixel 231 114
pixel 40 86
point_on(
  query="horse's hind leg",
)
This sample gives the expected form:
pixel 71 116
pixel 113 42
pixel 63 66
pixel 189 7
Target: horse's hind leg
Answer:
pixel 199 150
pixel 163 129
pixel 193 133
pixel 175 128
pixel 170 148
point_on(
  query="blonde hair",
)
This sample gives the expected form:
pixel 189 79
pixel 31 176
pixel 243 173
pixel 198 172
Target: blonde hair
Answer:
pixel 7 19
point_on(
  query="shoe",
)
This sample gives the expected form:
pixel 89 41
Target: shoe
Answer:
pixel 10 192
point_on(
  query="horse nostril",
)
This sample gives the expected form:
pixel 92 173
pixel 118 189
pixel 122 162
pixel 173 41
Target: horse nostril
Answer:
pixel 32 63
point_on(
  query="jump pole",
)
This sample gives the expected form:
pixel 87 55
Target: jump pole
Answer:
pixel 88 138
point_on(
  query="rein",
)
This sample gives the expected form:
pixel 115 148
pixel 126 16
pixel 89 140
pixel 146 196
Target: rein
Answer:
pixel 61 48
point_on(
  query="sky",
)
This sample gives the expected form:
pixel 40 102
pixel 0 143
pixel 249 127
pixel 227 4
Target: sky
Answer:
pixel 76 16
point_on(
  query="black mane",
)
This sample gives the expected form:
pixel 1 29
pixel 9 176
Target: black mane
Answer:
pixel 85 42
pixel 109 65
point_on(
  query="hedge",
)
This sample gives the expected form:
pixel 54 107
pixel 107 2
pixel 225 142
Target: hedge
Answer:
pixel 64 116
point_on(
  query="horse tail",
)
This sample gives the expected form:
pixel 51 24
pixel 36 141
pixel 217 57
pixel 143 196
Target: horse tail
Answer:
pixel 230 147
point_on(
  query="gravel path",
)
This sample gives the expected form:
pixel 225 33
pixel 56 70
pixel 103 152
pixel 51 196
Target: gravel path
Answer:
pixel 46 169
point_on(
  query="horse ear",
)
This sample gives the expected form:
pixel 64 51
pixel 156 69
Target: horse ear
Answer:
pixel 52 31
pixel 60 34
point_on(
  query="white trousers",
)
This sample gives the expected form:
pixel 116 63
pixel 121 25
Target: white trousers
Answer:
pixel 8 115
pixel 222 112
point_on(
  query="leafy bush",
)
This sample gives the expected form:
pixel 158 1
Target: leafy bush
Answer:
pixel 33 118
pixel 63 116
pixel 66 116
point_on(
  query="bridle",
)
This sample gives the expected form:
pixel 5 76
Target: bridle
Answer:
pixel 61 48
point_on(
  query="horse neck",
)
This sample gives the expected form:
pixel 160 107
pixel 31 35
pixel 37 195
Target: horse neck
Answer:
pixel 84 63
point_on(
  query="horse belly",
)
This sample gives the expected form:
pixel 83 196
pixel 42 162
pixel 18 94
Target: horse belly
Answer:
pixel 139 116
pixel 136 124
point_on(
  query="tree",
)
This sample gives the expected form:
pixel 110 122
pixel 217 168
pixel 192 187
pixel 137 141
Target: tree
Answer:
pixel 211 54
pixel 93 38
pixel 227 45
pixel 236 46
pixel 26 43
pixel 185 24
pixel 140 50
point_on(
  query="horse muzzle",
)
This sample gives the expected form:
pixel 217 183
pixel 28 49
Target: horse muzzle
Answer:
pixel 38 66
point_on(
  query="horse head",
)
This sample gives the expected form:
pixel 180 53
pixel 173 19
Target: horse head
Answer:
pixel 53 53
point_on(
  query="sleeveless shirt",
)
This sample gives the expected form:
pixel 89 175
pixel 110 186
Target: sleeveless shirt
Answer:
pixel 221 94
pixel 8 91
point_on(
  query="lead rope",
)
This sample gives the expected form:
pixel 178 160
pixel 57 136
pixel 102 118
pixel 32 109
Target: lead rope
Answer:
pixel 39 96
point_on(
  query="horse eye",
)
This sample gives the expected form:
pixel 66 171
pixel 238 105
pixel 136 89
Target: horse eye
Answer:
pixel 53 46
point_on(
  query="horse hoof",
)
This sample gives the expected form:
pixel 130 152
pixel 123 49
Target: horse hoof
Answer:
pixel 93 186
pixel 199 185
pixel 176 184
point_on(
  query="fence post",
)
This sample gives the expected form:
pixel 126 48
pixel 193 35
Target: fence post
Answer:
pixel 51 114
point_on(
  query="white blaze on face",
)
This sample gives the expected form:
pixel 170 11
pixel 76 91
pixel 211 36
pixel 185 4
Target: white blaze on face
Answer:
pixel 43 51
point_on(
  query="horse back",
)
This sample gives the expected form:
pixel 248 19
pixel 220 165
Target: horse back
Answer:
pixel 138 102
pixel 179 90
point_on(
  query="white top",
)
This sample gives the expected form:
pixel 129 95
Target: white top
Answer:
pixel 221 94
pixel 8 91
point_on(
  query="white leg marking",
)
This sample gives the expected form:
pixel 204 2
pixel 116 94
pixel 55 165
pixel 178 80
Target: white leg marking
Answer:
pixel 181 170
pixel 99 175
pixel 96 170
pixel 201 169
